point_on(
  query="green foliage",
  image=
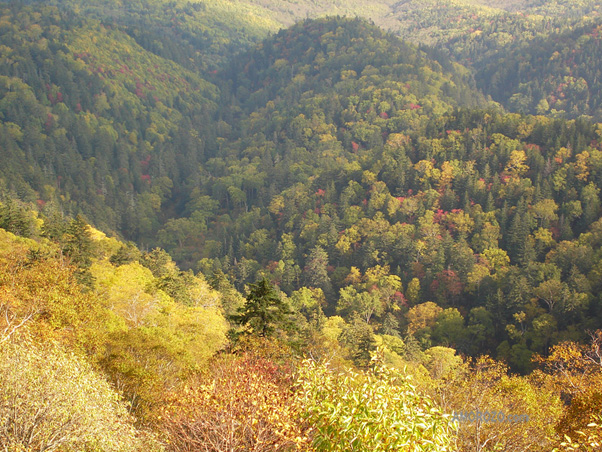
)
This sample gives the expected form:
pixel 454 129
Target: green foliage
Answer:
pixel 557 74
pixel 160 335
pixel 358 337
pixel 264 312
pixel 339 158
pixel 15 218
pixel 348 168
pixel 127 325
pixel 199 35
pixel 39 294
pixel 378 410
pixel 78 246
pixel 93 113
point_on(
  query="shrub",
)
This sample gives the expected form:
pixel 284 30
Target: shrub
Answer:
pixel 378 410
pixel 51 400
pixel 245 404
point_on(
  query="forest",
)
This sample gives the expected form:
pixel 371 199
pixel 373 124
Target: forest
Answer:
pixel 276 225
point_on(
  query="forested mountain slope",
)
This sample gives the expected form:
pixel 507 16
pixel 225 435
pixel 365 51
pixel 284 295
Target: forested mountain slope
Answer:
pixel 354 176
pixel 303 105
pixel 199 35
pixel 337 156
pixel 558 74
pixel 123 351
pixel 480 34
pixel 91 120
pixel 331 192
pixel 288 12
pixel 117 132
pixel 472 29
pixel 191 30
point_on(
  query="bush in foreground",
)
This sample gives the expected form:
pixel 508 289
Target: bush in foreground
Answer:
pixel 377 410
pixel 51 400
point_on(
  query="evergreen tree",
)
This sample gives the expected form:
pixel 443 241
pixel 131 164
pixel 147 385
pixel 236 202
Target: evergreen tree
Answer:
pixel 55 224
pixel 79 247
pixel 13 218
pixel 358 337
pixel 264 311
pixel 316 273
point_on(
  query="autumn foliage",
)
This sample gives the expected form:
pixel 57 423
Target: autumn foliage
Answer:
pixel 379 410
pixel 244 403
pixel 53 400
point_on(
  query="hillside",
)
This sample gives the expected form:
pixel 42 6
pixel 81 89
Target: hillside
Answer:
pixel 293 114
pixel 471 29
pixel 100 117
pixel 123 351
pixel 198 35
pixel 352 170
pixel 559 74
pixel 318 237
pixel 335 153
pixel 89 118
pixel 202 32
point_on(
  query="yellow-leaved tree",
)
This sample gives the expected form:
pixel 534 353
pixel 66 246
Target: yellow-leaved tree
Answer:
pixel 156 341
